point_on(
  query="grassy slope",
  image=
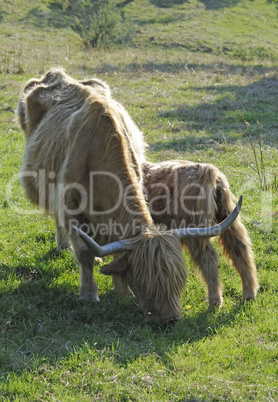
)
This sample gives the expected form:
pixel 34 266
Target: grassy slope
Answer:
pixel 188 74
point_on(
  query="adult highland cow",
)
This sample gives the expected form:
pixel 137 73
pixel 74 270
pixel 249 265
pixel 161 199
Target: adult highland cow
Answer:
pixel 82 164
pixel 187 194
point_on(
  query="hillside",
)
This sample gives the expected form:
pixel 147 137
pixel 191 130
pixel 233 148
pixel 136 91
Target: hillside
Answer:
pixel 173 31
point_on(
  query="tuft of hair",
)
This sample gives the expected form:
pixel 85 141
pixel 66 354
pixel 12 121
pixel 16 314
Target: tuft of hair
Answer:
pixel 159 266
pixel 236 243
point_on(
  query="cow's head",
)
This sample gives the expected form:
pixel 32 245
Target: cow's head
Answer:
pixel 153 266
pixel 155 272
pixel 40 95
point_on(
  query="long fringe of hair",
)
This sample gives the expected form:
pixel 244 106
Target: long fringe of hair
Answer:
pixel 159 265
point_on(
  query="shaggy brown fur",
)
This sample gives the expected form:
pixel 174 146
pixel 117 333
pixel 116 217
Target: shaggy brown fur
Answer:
pixel 156 270
pixel 187 194
pixel 83 154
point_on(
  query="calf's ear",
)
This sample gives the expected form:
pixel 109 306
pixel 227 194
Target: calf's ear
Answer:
pixel 118 266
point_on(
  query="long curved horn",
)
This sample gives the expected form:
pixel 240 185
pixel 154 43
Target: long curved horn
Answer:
pixel 128 244
pixel 107 249
pixel 210 231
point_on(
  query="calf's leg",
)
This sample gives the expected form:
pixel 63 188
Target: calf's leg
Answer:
pixel 205 258
pixel 62 238
pixel 237 247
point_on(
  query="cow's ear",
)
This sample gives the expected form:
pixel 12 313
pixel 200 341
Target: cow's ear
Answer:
pixel 35 108
pixel 98 85
pixel 22 105
pixel 116 267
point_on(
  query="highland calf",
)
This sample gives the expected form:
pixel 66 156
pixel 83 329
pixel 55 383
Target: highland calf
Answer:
pixel 83 165
pixel 187 194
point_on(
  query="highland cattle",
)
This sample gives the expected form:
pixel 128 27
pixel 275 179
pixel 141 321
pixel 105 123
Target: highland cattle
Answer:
pixel 83 165
pixel 194 195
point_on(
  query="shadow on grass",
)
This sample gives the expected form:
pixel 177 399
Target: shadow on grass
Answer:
pixel 214 4
pixel 209 4
pixel 189 143
pixel 218 117
pixel 178 67
pixel 46 319
pixel 168 3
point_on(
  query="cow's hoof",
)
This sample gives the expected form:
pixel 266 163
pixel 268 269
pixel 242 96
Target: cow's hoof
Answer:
pixel 216 303
pixel 89 298
pixel 247 296
pixel 248 299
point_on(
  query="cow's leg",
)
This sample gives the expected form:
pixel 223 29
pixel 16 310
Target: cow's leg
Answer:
pixel 237 247
pixel 88 288
pixel 205 258
pixel 62 237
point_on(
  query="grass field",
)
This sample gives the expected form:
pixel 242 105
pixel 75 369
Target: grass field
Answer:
pixel 186 74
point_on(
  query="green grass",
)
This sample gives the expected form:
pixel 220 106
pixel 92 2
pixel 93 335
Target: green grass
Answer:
pixel 188 73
